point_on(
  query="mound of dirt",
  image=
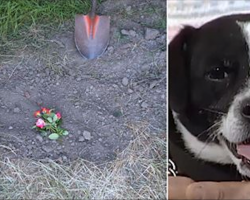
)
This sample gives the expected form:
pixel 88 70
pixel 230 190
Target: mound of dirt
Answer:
pixel 99 99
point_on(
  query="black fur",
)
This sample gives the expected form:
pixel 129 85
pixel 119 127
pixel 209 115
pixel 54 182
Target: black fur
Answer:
pixel 193 54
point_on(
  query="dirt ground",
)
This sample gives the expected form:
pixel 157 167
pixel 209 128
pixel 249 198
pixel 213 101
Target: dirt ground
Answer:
pixel 99 99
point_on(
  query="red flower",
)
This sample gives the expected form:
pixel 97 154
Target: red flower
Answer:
pixel 58 115
pixel 37 113
pixel 45 110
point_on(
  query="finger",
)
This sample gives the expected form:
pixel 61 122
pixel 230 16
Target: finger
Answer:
pixel 218 190
pixel 177 187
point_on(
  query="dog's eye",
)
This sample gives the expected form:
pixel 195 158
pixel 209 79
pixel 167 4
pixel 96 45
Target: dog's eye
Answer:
pixel 217 74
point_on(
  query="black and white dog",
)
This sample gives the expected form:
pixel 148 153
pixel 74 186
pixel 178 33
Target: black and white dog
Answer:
pixel 209 83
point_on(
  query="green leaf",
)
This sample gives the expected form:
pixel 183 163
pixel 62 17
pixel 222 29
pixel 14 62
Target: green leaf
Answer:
pixel 53 136
pixel 50 119
pixel 65 133
pixel 55 118
pixel 33 127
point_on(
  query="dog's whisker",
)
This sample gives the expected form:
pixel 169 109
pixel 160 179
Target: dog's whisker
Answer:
pixel 214 111
pixel 212 136
pixel 208 129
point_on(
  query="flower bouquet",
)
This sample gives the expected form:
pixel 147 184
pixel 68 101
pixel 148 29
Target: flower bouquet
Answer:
pixel 48 123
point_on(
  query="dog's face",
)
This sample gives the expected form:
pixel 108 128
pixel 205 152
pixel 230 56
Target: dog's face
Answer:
pixel 209 83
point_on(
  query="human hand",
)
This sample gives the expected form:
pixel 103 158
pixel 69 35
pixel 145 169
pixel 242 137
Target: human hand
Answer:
pixel 177 187
pixel 185 188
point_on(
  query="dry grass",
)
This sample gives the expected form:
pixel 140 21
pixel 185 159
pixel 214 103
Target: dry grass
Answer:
pixel 139 172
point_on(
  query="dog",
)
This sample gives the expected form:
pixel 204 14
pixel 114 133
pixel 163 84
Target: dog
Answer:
pixel 209 90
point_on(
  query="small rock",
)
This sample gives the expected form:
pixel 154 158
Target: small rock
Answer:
pixel 130 91
pixel 10 127
pixel 151 34
pixel 64 158
pixel 17 110
pixel 81 139
pixel 128 9
pixel 153 84
pixel 144 105
pixel 110 49
pixel 78 79
pixel 125 81
pixel 77 103
pixel 86 135
pixel 60 160
pixel 39 138
pixel 125 32
pixel 132 33
pixel 47 149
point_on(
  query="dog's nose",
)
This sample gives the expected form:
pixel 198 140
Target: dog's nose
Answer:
pixel 246 111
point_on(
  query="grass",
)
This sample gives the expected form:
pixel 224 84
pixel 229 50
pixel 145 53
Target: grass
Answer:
pixel 139 172
pixel 22 14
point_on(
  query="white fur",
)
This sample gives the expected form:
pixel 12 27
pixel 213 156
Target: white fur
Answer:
pixel 231 124
pixel 209 152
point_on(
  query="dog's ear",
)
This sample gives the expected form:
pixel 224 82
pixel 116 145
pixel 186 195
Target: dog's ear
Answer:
pixel 179 69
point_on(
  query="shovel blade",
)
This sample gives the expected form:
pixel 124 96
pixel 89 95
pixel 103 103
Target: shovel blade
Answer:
pixel 92 35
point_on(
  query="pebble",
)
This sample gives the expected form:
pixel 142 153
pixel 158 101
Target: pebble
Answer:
pixel 124 32
pixel 132 33
pixel 86 135
pixel 153 84
pixel 64 158
pixel 125 81
pixel 151 34
pixel 110 49
pixel 144 105
pixel 78 79
pixel 17 110
pixel 130 91
pixel 47 149
pixel 10 127
pixel 39 138
pixel 81 139
pixel 128 9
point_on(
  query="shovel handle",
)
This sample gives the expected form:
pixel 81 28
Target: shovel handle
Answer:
pixel 93 8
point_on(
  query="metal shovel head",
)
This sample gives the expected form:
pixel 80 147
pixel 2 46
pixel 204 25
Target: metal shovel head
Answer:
pixel 91 35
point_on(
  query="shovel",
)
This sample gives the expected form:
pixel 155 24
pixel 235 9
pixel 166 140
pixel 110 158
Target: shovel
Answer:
pixel 92 33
